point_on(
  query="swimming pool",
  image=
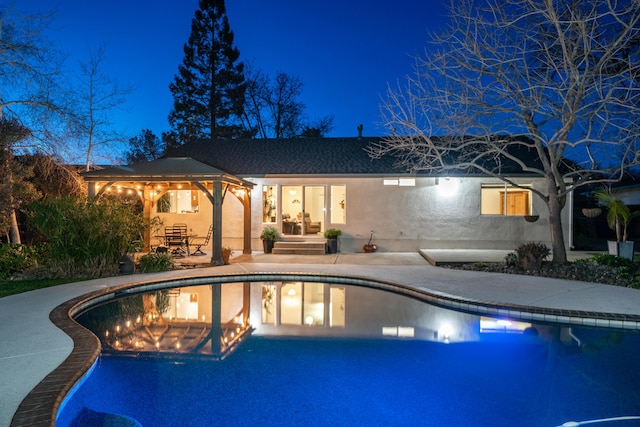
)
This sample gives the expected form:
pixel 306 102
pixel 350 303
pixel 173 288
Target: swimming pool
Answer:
pixel 313 353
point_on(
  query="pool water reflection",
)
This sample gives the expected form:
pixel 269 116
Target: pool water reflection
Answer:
pixel 290 353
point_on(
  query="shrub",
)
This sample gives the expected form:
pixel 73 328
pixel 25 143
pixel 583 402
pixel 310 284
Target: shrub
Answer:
pixel 531 255
pixel 332 233
pixel 154 262
pixel 270 233
pixel 533 250
pixel 81 235
pixel 611 260
pixel 511 259
pixel 15 259
pixel 624 266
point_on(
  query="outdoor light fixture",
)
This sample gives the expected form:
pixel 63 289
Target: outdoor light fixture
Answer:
pixel 448 187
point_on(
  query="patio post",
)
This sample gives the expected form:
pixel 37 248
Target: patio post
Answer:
pixel 216 247
pixel 246 205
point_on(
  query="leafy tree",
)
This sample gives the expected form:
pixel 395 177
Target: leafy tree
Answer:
pixel 559 78
pixel 208 91
pixel 273 110
pixel 144 147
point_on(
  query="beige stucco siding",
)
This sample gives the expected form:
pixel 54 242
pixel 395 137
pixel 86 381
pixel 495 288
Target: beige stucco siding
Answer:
pixel 402 218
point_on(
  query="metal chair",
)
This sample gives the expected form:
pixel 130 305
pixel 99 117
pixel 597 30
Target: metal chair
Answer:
pixel 199 242
pixel 175 240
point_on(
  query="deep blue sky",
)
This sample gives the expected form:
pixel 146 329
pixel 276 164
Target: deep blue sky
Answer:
pixel 345 52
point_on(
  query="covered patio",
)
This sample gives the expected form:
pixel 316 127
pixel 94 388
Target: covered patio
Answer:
pixel 152 180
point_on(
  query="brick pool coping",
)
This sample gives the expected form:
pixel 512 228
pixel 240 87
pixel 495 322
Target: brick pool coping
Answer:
pixel 40 406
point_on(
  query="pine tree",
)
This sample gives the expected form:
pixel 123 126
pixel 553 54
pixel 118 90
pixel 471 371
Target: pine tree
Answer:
pixel 208 90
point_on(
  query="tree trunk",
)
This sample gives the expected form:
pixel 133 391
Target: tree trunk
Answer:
pixel 555 223
pixel 14 231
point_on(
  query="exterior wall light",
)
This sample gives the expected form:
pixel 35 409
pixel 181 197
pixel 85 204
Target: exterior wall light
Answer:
pixel 448 187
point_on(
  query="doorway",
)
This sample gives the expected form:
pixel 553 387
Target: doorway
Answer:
pixel 303 209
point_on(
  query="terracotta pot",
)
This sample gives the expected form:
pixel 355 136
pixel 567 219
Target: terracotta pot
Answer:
pixel 591 212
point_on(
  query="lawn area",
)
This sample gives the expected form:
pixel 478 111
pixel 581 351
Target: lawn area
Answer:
pixel 11 287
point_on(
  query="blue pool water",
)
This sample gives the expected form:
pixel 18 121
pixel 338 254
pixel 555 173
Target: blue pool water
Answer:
pixel 325 354
pixel 502 380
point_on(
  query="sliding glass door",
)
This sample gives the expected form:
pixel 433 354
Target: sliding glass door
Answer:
pixel 303 209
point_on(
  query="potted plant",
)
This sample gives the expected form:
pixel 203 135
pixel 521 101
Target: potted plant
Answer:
pixel 226 254
pixel 127 261
pixel 331 234
pixel 618 218
pixel 269 236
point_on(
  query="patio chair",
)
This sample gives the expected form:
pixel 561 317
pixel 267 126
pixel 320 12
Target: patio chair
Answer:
pixel 175 240
pixel 198 242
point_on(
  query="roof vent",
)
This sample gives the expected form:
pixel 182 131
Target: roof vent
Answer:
pixel 360 130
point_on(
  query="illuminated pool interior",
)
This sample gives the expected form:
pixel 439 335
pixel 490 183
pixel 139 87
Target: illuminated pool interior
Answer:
pixel 294 352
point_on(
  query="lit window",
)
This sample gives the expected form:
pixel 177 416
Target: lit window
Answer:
pixel 338 204
pixel 500 199
pixel 179 201
pixel 302 303
pixel 268 203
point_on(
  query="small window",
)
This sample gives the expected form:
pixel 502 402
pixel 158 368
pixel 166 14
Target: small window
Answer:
pixel 505 200
pixel 269 203
pixel 338 204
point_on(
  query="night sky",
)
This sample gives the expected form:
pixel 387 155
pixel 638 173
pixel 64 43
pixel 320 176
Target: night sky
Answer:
pixel 345 52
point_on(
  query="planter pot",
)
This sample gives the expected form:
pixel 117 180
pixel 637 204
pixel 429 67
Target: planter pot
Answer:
pixel 591 212
pixel 268 246
pixel 127 265
pixel 225 256
pixel 368 248
pixel 531 218
pixel 621 249
pixel 332 246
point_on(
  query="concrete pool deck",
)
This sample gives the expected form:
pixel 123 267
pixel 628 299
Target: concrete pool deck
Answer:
pixel 32 346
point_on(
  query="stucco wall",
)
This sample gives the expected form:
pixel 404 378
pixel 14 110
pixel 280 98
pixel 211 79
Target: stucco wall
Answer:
pixel 402 218
pixel 423 216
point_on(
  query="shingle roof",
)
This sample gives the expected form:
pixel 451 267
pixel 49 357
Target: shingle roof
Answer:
pixel 300 156
pixel 316 156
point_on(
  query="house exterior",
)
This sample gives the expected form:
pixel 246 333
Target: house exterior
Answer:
pixel 308 185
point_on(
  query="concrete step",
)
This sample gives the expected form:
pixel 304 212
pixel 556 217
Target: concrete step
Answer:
pixel 299 248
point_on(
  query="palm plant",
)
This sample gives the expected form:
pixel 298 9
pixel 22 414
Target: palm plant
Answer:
pixel 618 214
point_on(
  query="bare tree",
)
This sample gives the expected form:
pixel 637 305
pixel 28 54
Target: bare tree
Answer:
pixel 559 78
pixel 273 109
pixel 30 98
pixel 98 96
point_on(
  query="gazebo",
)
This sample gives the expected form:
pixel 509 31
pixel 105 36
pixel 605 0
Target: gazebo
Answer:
pixel 151 180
